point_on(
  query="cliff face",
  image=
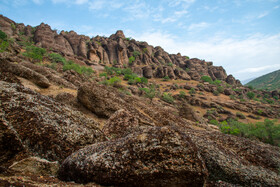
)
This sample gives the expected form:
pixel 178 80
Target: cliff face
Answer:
pixel 119 51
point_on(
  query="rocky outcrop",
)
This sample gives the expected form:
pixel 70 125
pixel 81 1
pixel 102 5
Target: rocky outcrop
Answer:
pixel 38 125
pixel 152 157
pixel 21 71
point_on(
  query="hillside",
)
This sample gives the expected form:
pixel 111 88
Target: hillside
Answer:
pixel 270 81
pixel 113 111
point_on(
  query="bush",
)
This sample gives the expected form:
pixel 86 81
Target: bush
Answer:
pixel 167 97
pixel 103 75
pixel 136 54
pixel 182 94
pixel 250 95
pixel 267 131
pixel 131 59
pixel 220 89
pixel 114 81
pixel 170 64
pixel 192 91
pixel 3 36
pixel 55 58
pixel 149 92
pixel 214 122
pixel 35 53
pixel 216 92
pixel 217 82
pixel 206 79
pixel 70 65
pixel 240 115
pixel 4 46
pixel 166 78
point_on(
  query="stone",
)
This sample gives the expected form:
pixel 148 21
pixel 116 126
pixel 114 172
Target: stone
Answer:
pixel 24 72
pixel 157 156
pixel 147 72
pixel 42 126
pixel 34 166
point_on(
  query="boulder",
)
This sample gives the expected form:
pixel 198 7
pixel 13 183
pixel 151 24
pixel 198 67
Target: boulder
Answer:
pixel 120 124
pixel 34 166
pixel 147 72
pixel 157 156
pixel 24 72
pixel 237 160
pixel 40 126
pixel 181 74
pixel 99 99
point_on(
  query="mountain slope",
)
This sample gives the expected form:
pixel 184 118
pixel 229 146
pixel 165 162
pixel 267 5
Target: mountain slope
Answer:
pixel 270 81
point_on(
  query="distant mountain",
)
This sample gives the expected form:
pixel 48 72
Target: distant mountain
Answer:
pixel 247 80
pixel 270 81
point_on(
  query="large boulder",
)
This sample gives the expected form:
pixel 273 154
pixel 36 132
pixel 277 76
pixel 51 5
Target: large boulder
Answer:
pixel 38 125
pixel 22 71
pixel 157 156
pixel 237 160
pixel 147 72
pixel 99 99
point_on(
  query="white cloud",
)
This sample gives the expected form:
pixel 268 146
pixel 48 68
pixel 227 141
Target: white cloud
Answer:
pixel 198 26
pixel 96 5
pixel 80 2
pixel 183 3
pixel 260 69
pixel 38 2
pixel 262 15
pixel 59 1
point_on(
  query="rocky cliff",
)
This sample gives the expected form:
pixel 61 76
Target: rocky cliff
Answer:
pixel 119 51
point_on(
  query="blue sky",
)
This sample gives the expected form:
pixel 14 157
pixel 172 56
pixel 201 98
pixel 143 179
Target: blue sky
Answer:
pixel 243 36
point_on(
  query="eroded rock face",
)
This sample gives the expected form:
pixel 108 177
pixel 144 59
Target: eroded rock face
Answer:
pixel 41 126
pixel 158 156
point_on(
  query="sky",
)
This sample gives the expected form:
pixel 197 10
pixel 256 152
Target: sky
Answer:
pixel 243 36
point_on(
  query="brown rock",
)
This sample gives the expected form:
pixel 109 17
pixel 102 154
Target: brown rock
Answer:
pixel 42 126
pixel 158 156
pixel 147 72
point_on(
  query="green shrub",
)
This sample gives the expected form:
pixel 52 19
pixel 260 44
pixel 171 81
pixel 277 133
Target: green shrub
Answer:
pixel 131 59
pixel 149 92
pixel 192 91
pixel 3 36
pixel 182 94
pixel 4 46
pixel 187 58
pixel 187 69
pixel 35 53
pixel 250 95
pixel 114 81
pixel 166 78
pixel 240 115
pixel 167 97
pixel 128 39
pixel 217 82
pixel 250 87
pixel 214 122
pixel 70 65
pixel 220 89
pixel 216 92
pixel 170 64
pixel 144 80
pixel 55 58
pixel 136 54
pixel 13 26
pixel 206 79
pixel 267 131
pixel 232 97
pixel 103 75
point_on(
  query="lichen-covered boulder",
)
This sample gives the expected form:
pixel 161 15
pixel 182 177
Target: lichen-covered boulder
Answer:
pixel 40 126
pixel 156 156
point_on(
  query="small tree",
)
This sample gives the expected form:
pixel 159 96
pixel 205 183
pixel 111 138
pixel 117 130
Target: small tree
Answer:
pixel 250 95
